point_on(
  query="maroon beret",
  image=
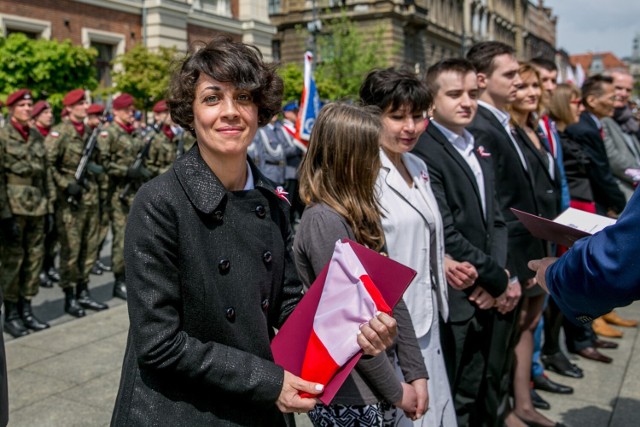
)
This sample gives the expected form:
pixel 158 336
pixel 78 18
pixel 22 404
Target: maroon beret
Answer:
pixel 73 97
pixel 95 109
pixel 123 101
pixel 160 107
pixel 39 107
pixel 18 95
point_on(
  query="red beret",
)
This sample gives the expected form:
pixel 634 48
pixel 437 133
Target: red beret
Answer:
pixel 18 95
pixel 160 107
pixel 95 109
pixel 73 97
pixel 123 101
pixel 39 107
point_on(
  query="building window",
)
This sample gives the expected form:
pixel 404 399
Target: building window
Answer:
pixel 275 51
pixel 109 45
pixel 103 62
pixel 275 7
pixel 32 28
pixel 216 7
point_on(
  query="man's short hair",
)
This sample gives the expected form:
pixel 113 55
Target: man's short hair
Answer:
pixel 456 65
pixel 544 63
pixel 482 55
pixel 594 85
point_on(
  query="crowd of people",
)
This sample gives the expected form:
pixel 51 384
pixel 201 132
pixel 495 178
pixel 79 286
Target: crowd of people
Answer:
pixel 224 239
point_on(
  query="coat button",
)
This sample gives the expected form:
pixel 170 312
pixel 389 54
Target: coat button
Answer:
pixel 218 216
pixel 261 211
pixel 267 257
pixel 231 314
pixel 224 265
pixel 265 304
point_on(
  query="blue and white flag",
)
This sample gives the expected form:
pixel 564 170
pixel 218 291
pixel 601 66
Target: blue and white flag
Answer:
pixel 310 104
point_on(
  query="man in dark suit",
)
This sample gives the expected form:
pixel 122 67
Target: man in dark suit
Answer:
pixel 498 80
pixel 598 98
pixel 462 181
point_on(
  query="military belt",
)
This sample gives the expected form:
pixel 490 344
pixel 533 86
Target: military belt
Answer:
pixel 18 180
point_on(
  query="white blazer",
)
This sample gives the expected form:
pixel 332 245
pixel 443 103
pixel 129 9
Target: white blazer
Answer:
pixel 411 245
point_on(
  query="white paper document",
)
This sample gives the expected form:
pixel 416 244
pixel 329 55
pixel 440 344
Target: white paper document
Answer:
pixel 584 221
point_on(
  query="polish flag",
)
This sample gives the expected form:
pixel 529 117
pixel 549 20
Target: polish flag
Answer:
pixel 349 299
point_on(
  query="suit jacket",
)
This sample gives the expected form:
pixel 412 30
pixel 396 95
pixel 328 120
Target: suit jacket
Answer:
pixel 210 273
pixel 514 189
pixel 606 193
pixel 576 166
pixel 412 246
pixel 600 272
pixel 469 235
pixel 620 155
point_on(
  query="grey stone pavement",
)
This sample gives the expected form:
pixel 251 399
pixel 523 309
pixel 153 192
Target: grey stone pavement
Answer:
pixel 68 375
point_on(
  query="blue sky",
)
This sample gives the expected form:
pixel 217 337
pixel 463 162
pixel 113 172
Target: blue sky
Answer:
pixel 596 25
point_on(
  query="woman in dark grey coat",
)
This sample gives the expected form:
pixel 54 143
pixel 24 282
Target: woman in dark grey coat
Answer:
pixel 209 263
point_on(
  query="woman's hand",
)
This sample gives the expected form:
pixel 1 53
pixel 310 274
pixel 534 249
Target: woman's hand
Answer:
pixel 460 275
pixel 377 335
pixel 409 401
pixel 290 400
pixel 422 394
pixel 482 298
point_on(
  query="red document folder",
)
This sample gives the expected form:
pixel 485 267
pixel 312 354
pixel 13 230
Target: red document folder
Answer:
pixel 290 343
pixel 547 229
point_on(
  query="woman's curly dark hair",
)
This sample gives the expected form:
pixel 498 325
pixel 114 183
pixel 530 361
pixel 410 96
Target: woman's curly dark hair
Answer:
pixel 230 62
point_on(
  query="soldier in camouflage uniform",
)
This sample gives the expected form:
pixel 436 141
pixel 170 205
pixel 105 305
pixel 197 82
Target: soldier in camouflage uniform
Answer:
pixel 77 213
pixel 26 197
pixel 163 150
pixel 184 141
pixel 118 149
pixel 42 116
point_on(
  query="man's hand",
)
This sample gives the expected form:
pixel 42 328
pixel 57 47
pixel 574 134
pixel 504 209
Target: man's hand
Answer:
pixel 540 267
pixel 482 298
pixel 377 335
pixel 509 299
pixel 290 400
pixel 460 275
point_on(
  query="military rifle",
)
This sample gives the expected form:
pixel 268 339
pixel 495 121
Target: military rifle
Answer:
pixel 140 159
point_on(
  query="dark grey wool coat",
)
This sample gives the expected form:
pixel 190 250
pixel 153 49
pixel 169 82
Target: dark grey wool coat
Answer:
pixel 210 274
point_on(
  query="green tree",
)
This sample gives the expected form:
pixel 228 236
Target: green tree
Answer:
pixel 144 74
pixel 48 68
pixel 293 78
pixel 345 55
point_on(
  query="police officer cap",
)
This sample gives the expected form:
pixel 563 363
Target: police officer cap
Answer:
pixel 290 106
pixel 160 107
pixel 73 97
pixel 18 95
pixel 39 107
pixel 95 109
pixel 123 101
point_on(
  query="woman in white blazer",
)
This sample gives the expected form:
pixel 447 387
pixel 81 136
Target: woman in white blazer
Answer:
pixel 412 224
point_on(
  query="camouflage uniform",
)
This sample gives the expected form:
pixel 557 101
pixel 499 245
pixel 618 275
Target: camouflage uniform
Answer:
pixel 77 222
pixel 27 194
pixel 162 153
pixel 188 141
pixel 118 150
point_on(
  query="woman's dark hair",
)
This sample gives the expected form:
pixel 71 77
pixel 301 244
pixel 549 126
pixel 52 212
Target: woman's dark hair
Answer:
pixel 391 89
pixel 230 62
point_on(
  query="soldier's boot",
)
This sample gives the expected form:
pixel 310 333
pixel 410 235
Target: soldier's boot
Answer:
pixel 12 322
pixel 86 301
pixel 71 305
pixel 120 288
pixel 29 319
pixel 53 274
pixel 103 266
pixel 45 282
pixel 96 269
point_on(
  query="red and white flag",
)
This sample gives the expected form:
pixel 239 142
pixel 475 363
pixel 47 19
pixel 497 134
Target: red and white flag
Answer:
pixel 349 299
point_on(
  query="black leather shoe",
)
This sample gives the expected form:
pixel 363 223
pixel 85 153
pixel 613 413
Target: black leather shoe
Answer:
pixel 96 270
pixel 593 354
pixel 71 305
pixel 541 382
pixel 53 274
pixel 45 282
pixel 559 364
pixel 102 266
pixel 86 301
pixel 604 344
pixel 28 318
pixel 120 290
pixel 13 324
pixel 539 402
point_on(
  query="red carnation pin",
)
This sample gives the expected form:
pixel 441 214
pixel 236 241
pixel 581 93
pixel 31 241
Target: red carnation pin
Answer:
pixel 280 192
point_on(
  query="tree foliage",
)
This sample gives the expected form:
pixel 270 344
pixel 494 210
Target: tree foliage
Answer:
pixel 345 57
pixel 48 68
pixel 293 78
pixel 144 74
